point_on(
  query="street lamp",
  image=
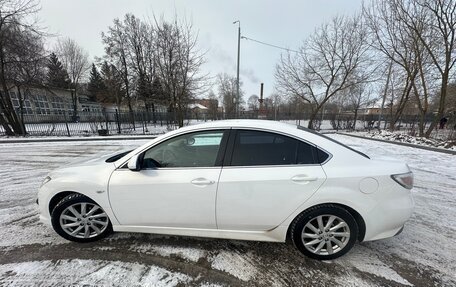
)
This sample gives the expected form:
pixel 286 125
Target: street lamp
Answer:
pixel 238 58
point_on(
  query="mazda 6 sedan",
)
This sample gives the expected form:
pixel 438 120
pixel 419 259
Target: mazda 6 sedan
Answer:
pixel 235 179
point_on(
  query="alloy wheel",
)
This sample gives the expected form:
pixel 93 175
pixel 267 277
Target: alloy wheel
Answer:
pixel 83 220
pixel 325 234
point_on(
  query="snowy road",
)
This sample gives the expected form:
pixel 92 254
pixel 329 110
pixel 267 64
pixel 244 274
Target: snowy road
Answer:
pixel 32 254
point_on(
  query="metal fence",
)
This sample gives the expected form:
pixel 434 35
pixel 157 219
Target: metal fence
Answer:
pixel 90 123
pixel 148 122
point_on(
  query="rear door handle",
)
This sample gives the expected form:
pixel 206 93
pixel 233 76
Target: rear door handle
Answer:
pixel 201 181
pixel 302 178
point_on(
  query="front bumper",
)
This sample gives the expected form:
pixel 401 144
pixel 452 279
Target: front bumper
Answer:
pixel 45 220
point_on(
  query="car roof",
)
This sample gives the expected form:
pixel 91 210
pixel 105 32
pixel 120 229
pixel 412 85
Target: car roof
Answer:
pixel 238 123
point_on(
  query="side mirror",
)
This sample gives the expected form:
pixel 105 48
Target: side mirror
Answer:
pixel 133 163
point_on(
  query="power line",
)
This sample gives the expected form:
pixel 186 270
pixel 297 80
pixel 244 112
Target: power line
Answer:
pixel 271 45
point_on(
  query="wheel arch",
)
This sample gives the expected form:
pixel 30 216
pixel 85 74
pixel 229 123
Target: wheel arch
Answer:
pixel 56 198
pixel 62 201
pixel 61 195
pixel 358 218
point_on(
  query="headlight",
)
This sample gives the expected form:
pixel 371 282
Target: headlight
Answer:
pixel 45 180
pixel 404 179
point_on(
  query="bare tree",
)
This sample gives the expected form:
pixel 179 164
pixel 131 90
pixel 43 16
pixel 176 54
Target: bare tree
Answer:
pixel 140 38
pixel 401 44
pixel 29 67
pixel 159 62
pixel 112 80
pixel 358 96
pixel 212 105
pixel 178 64
pixel 227 91
pixel 420 36
pixel 451 101
pixel 253 103
pixel 439 40
pixel 75 61
pixel 276 100
pixel 14 24
pixel 128 48
pixel 324 64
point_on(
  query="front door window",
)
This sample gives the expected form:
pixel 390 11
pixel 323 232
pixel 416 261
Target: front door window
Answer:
pixel 198 149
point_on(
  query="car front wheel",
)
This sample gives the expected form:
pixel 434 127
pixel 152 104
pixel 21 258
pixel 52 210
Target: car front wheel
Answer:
pixel 78 218
pixel 324 232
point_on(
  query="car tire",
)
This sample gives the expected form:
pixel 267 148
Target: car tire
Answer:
pixel 78 218
pixel 324 232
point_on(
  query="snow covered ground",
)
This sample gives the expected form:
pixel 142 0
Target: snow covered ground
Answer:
pixel 32 254
pixel 440 138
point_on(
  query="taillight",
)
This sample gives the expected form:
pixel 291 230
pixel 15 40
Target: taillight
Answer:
pixel 404 179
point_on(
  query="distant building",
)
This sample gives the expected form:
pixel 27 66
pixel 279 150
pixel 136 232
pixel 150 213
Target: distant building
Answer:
pixel 198 111
pixel 374 111
pixel 89 106
pixel 42 101
pixel 204 108
pixel 50 101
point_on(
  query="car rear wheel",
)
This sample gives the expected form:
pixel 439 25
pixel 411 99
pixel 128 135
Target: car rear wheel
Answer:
pixel 324 232
pixel 78 218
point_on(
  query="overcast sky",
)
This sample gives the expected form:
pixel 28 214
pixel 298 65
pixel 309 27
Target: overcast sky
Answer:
pixel 282 23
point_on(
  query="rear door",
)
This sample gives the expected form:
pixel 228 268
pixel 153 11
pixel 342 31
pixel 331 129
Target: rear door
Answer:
pixel 265 177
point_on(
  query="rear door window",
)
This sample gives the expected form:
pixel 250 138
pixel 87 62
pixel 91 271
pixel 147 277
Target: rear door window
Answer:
pixel 256 148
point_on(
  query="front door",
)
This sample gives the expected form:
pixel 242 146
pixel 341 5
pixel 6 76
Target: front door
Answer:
pixel 176 186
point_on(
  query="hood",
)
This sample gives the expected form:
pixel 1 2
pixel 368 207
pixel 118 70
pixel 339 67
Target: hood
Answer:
pixel 85 168
pixel 97 159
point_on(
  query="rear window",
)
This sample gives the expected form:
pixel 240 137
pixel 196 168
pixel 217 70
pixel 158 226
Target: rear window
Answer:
pixel 321 156
pixel 333 140
pixel 306 154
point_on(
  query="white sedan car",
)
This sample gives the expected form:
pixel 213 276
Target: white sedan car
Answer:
pixel 235 179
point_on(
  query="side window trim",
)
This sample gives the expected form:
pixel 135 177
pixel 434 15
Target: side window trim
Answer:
pixel 222 149
pixel 230 147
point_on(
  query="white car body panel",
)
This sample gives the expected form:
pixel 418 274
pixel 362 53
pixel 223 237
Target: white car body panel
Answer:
pixel 251 203
pixel 261 198
pixel 88 179
pixel 165 197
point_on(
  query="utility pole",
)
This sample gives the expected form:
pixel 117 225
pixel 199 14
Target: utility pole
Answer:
pixel 261 111
pixel 238 59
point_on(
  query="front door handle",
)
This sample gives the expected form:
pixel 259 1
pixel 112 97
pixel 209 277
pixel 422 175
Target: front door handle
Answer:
pixel 302 178
pixel 201 181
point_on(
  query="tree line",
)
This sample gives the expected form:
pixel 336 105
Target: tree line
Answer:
pixel 394 52
pixel 154 61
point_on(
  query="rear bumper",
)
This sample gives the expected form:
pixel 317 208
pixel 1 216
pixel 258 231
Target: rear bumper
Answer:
pixel 388 218
pixel 400 231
